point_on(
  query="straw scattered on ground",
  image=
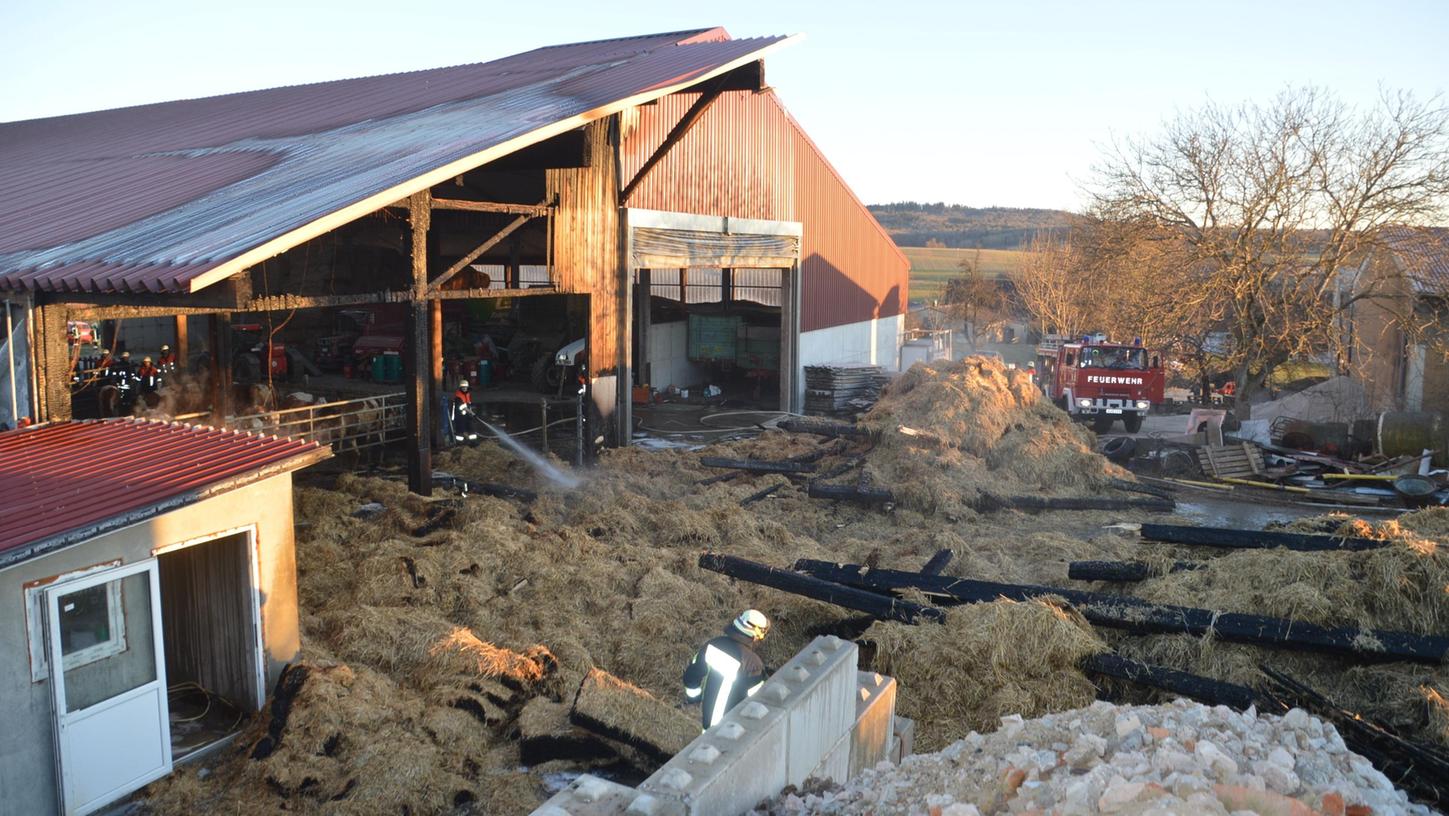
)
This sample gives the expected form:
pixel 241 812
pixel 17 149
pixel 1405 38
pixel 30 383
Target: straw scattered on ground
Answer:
pixel 984 662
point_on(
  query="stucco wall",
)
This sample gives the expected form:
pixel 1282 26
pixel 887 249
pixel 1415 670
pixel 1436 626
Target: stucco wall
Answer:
pixel 27 765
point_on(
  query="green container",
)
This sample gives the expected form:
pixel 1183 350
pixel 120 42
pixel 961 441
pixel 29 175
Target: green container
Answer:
pixel 392 366
pixel 756 353
pixel 379 368
pixel 713 338
pixel 1409 433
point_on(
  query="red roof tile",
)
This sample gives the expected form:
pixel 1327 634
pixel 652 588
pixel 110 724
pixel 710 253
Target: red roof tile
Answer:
pixel 60 483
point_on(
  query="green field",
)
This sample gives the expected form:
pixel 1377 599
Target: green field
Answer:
pixel 931 267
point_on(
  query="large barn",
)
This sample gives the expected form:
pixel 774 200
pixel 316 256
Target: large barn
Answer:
pixel 622 213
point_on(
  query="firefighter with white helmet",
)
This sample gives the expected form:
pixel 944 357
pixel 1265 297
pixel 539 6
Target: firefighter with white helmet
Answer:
pixel 727 671
pixel 460 415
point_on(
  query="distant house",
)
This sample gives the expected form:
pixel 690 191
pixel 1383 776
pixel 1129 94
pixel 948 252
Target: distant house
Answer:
pixel 148 600
pixel 1400 337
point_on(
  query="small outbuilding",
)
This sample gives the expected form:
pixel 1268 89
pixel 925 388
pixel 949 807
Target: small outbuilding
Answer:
pixel 148 600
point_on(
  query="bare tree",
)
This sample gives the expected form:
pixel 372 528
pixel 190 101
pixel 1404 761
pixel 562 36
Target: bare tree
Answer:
pixel 1053 285
pixel 979 302
pixel 1270 211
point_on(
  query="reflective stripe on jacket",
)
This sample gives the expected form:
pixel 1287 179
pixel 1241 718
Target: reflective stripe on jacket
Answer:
pixel 721 675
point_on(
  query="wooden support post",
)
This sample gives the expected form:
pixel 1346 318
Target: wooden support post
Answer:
pixel 182 349
pixel 52 363
pixel 417 365
pixel 435 354
pixel 727 285
pixel 219 348
pixel 511 272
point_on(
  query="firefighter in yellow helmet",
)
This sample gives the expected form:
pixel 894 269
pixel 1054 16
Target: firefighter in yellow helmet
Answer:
pixel 727 670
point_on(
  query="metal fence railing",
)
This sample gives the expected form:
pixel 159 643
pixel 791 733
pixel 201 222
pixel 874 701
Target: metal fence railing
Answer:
pixel 346 425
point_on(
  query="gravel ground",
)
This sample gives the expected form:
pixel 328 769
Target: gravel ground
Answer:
pixel 1182 758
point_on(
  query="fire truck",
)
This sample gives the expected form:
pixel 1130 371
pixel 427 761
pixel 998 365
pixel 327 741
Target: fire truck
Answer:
pixel 1098 381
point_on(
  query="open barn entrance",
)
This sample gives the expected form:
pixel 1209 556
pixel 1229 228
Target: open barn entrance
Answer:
pixel 210 627
pixel 703 330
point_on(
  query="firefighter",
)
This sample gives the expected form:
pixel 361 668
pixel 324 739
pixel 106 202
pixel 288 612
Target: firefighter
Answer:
pixel 167 362
pixel 149 376
pixel 122 370
pixel 461 414
pixel 727 670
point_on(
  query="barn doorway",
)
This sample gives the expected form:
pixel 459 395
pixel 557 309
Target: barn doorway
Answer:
pixel 210 627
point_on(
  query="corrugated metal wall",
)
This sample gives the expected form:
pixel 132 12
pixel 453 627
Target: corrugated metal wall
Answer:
pixel 746 157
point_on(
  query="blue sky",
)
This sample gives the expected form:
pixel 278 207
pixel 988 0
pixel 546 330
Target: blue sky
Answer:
pixel 967 102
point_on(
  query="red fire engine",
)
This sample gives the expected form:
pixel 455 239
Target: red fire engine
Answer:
pixel 1092 379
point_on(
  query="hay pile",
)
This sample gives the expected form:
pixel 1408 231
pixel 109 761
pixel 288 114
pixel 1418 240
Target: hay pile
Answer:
pixel 986 661
pixel 434 624
pixel 987 430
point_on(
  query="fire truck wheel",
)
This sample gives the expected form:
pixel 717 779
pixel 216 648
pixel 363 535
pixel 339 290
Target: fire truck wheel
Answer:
pixel 1132 422
pixel 1102 423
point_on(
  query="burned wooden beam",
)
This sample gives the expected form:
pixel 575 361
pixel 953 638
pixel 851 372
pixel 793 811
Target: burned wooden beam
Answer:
pixel 1139 487
pixel 1124 570
pixel 874 604
pixel 1144 617
pixel 760 495
pixel 1254 539
pixel 1421 769
pixel 988 503
pixel 851 493
pixel 823 427
pixel 1194 686
pixel 758 465
pixel 938 562
pixel 501 491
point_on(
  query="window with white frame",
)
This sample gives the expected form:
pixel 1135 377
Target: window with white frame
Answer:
pixel 92 626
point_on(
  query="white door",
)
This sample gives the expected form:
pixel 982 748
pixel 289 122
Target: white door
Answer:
pixel 108 678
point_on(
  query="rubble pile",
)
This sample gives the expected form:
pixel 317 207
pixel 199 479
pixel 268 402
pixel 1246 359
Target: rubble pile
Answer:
pixel 1181 758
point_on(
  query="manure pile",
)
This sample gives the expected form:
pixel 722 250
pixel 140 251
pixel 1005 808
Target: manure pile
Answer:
pixel 446 640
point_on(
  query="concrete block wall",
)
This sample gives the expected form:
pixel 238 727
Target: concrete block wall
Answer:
pixel 818 716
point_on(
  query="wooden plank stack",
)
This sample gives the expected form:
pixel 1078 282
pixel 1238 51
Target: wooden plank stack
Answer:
pixel 842 388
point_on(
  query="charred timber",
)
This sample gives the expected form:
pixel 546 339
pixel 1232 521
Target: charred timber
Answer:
pixel 1421 769
pixel 1143 617
pixel 822 427
pixel 757 465
pixel 1138 487
pixel 989 503
pixel 1253 539
pixel 938 562
pixel 501 491
pixel 1195 686
pixel 874 604
pixel 851 493
pixel 1124 570
pixel 759 496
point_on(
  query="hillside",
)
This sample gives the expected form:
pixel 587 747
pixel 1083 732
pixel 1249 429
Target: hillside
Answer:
pixel 913 223
pixel 931 267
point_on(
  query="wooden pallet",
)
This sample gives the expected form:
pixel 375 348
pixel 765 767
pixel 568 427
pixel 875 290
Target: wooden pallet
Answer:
pixel 1235 461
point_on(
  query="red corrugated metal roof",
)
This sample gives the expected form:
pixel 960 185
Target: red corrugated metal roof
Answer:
pixel 151 198
pixel 68 478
